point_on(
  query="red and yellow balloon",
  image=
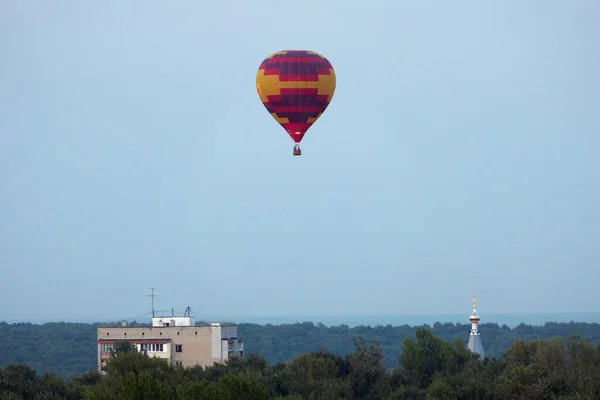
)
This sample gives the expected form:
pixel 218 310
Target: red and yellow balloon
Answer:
pixel 296 87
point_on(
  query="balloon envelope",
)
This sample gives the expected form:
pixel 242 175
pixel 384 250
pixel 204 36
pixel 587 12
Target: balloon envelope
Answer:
pixel 296 87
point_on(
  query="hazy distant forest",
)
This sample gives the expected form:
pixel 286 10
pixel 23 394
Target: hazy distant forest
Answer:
pixel 306 361
pixel 68 349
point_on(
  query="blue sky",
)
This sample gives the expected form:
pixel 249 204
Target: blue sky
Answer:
pixel 459 154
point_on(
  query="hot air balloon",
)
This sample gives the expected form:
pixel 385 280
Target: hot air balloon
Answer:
pixel 295 86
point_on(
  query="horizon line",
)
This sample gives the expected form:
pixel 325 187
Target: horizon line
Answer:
pixel 488 317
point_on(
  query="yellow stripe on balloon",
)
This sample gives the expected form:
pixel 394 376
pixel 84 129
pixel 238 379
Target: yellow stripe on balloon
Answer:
pixel 280 120
pixel 270 85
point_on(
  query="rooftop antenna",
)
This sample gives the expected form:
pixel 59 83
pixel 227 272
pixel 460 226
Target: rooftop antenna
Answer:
pixel 474 302
pixel 152 295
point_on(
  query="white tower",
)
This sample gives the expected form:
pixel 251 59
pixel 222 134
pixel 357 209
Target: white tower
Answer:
pixel 475 336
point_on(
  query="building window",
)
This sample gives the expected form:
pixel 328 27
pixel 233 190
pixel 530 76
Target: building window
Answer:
pixel 144 347
pixel 178 348
pixel 178 363
pixel 156 347
pixel 106 348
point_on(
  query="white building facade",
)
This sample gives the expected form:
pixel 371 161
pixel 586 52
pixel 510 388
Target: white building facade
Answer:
pixel 176 340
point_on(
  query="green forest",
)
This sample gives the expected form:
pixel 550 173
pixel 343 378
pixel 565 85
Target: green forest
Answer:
pixel 428 368
pixel 68 349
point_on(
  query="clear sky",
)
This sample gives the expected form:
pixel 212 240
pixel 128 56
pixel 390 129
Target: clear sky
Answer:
pixel 459 154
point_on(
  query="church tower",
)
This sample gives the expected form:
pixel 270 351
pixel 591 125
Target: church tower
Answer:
pixel 475 336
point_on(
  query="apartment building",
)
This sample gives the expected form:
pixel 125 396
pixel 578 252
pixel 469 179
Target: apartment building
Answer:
pixel 176 340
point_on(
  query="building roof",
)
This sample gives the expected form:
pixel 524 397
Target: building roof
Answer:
pixel 134 340
pixel 197 324
pixel 475 345
pixel 474 316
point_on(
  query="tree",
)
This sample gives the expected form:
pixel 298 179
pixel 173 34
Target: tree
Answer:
pixel 523 382
pixel 18 379
pixel 420 360
pixel 134 375
pixel 368 376
pixel 316 374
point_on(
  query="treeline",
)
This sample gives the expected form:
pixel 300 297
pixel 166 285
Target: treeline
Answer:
pixel 280 343
pixel 429 368
pixel 68 349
